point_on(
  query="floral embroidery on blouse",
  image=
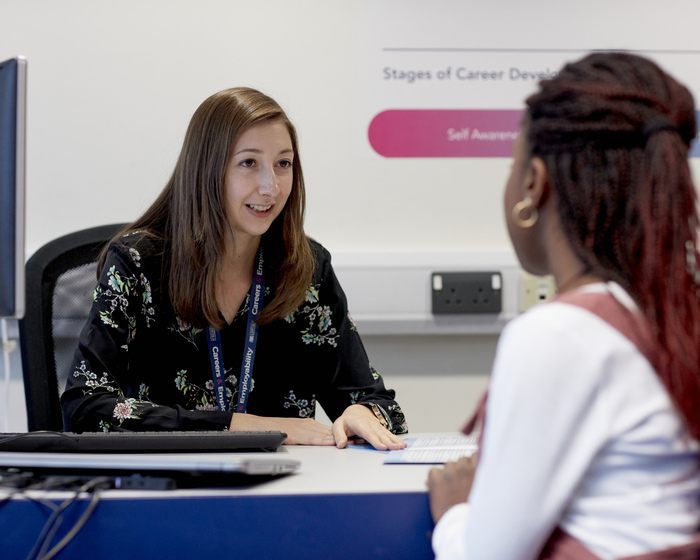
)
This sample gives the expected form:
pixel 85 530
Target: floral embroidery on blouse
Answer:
pixel 353 327
pixel 204 398
pixel 186 331
pixel 319 316
pixel 143 392
pixel 120 287
pixel 92 382
pixel 307 408
pixel 397 420
pixel 135 256
pixel 125 408
pixel 147 308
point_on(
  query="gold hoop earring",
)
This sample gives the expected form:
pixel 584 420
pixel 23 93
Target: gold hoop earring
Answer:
pixel 525 205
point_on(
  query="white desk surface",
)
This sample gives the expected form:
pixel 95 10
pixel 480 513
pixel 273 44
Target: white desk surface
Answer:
pixel 327 470
pixel 323 470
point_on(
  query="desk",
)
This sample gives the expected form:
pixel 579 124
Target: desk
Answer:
pixel 343 503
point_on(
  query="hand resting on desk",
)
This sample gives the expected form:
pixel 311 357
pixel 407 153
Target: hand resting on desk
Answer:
pixel 300 431
pixel 357 420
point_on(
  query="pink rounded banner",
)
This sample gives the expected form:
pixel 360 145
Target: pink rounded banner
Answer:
pixel 445 132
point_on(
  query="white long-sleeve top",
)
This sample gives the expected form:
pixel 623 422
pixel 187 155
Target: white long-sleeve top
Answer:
pixel 581 434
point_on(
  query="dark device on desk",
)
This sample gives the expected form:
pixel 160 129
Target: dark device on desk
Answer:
pixel 142 442
pixel 188 459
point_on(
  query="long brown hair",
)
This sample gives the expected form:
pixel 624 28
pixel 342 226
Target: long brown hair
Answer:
pixel 614 131
pixel 189 216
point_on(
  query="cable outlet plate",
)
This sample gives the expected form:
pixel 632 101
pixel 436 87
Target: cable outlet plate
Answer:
pixel 535 289
pixel 466 292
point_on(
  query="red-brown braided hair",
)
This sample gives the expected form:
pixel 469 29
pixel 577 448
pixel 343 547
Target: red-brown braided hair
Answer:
pixel 614 130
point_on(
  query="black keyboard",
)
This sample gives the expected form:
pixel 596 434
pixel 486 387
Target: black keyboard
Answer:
pixel 142 442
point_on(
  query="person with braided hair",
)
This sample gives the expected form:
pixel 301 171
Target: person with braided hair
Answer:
pixel 590 432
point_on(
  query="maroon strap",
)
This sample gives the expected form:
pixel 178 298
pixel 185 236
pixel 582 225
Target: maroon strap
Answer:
pixel 477 420
pixel 632 325
pixel 562 546
pixel 478 417
pixel 690 551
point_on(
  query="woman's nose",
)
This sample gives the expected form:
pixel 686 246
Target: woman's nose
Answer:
pixel 267 185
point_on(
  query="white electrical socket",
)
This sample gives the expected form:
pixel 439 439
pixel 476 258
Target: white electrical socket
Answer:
pixel 535 289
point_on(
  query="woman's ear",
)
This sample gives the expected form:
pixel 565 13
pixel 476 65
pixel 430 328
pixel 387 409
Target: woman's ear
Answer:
pixel 538 184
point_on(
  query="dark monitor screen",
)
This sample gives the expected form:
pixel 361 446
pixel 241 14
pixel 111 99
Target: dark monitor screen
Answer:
pixel 13 83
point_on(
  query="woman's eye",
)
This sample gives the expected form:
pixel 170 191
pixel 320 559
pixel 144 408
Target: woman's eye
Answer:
pixel 247 163
pixel 285 163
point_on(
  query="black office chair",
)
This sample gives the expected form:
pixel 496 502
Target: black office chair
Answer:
pixel 60 280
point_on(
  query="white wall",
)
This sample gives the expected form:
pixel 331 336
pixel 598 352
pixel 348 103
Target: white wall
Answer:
pixel 112 86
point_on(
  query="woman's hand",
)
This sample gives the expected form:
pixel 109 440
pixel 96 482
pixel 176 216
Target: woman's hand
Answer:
pixel 450 485
pixel 300 431
pixel 358 420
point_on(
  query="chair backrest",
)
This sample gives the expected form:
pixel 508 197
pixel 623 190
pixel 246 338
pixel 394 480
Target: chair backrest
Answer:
pixel 60 281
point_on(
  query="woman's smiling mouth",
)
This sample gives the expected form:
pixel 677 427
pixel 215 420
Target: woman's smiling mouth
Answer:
pixel 257 208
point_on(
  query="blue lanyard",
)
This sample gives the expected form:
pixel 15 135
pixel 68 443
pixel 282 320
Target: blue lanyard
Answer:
pixel 257 291
pixel 217 367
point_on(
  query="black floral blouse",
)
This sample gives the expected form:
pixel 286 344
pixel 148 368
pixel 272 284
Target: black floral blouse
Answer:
pixel 139 367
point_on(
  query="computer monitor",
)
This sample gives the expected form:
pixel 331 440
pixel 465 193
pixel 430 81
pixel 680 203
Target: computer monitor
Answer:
pixel 13 98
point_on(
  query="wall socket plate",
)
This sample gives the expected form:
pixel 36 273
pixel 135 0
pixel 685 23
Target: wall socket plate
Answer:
pixel 535 289
pixel 466 292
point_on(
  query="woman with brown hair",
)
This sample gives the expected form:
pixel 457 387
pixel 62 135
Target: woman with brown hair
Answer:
pixel 591 428
pixel 214 310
